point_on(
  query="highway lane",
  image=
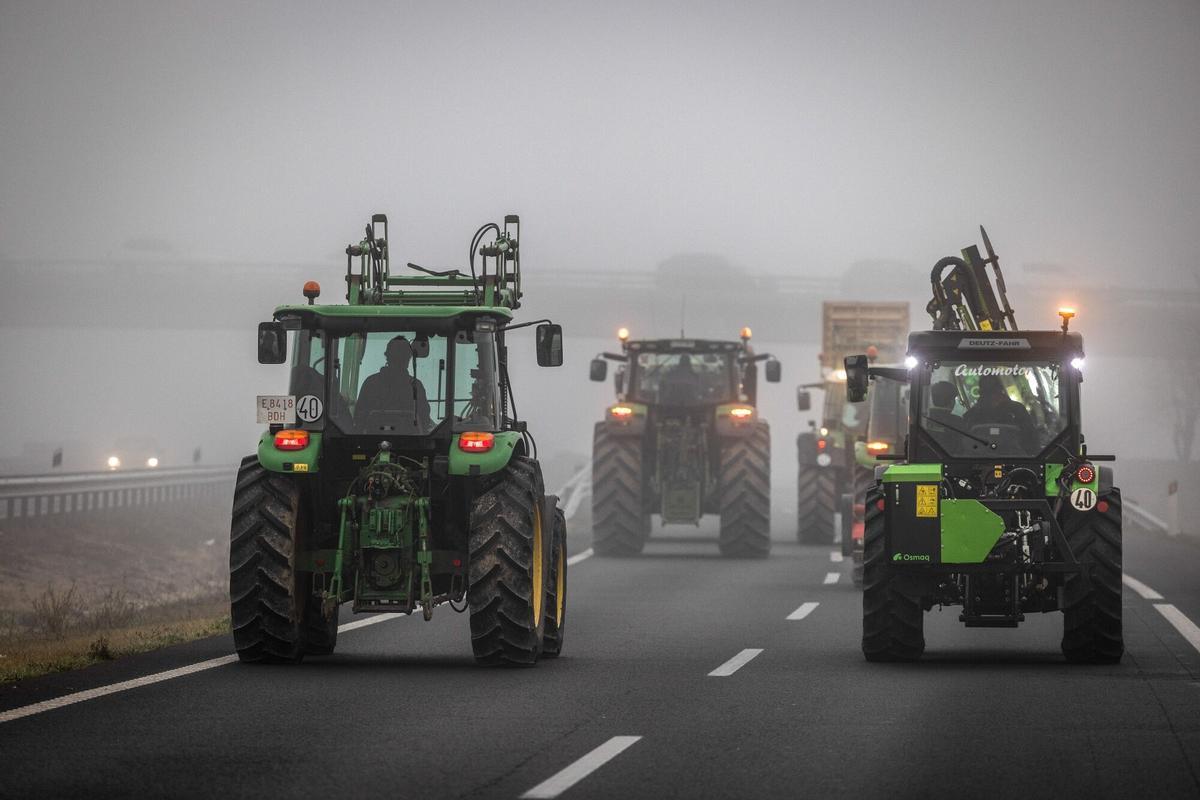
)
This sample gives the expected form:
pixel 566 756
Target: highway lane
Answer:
pixel 400 708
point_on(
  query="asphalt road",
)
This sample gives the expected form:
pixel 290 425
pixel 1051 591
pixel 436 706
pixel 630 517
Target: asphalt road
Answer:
pixel 401 711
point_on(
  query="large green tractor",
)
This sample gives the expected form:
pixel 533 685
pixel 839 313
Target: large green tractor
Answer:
pixel 396 474
pixel 684 439
pixel 994 502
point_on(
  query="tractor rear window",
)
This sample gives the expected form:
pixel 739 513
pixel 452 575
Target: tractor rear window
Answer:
pixel 399 382
pixel 990 408
pixel 684 378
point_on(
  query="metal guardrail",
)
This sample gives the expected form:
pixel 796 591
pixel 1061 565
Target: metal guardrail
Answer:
pixel 1143 519
pixel 575 491
pixel 81 492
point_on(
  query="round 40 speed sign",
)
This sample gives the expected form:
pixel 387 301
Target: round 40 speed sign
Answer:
pixel 1083 499
pixel 309 408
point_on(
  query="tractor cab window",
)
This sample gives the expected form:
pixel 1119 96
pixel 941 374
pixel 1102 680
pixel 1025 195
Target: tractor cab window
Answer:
pixel 686 379
pixel 989 408
pixel 407 383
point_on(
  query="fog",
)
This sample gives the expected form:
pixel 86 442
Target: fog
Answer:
pixel 205 144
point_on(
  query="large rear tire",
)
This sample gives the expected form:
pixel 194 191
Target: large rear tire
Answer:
pixel 556 590
pixel 620 525
pixel 746 495
pixel 509 558
pixel 1092 630
pixel 266 602
pixel 893 622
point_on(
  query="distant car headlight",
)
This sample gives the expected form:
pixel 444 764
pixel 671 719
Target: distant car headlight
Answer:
pixel 152 462
pixel 113 462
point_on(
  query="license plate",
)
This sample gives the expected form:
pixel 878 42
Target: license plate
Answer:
pixel 276 409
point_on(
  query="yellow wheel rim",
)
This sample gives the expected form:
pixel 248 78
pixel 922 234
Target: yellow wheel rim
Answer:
pixel 539 567
pixel 560 585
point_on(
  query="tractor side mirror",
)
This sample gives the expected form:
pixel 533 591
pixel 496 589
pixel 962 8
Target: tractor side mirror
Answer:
pixel 803 400
pixel 420 346
pixel 272 343
pixel 549 345
pixel 598 370
pixel 774 370
pixel 857 378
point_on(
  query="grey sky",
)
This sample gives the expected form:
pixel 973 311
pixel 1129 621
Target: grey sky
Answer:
pixel 787 136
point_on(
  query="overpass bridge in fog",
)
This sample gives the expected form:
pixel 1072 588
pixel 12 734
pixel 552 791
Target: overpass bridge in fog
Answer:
pixel 113 293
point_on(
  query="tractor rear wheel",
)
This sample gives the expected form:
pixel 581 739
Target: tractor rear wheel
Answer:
pixel 620 526
pixel 556 590
pixel 509 560
pixel 746 495
pixel 816 494
pixel 893 622
pixel 267 597
pixel 1092 613
pixel 846 508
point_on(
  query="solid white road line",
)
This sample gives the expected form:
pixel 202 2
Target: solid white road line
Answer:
pixel 832 577
pixel 804 610
pixel 1185 626
pixel 572 774
pixel 91 694
pixel 1145 591
pixel 575 559
pixel 836 556
pixel 734 664
pixel 158 677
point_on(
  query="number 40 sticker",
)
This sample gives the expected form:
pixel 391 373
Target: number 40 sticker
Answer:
pixel 309 408
pixel 1083 499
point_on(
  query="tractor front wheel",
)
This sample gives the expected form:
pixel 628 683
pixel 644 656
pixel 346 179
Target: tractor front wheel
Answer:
pixel 556 586
pixel 746 495
pixel 620 526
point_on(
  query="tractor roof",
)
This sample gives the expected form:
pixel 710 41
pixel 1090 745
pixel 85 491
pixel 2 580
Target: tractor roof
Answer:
pixel 1018 345
pixel 684 346
pixel 356 317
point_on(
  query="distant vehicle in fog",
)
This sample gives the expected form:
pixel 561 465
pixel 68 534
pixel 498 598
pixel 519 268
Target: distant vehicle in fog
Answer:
pixel 134 452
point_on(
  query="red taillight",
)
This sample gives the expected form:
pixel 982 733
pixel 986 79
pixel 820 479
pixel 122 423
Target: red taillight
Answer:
pixel 291 440
pixel 1102 506
pixel 621 412
pixel 741 412
pixel 879 504
pixel 1086 473
pixel 476 441
pixel 821 444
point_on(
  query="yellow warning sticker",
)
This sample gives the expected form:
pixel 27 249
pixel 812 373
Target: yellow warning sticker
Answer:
pixel 927 501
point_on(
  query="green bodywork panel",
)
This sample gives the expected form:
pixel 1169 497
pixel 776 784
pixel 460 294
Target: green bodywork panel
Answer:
pixel 273 460
pixel 969 531
pixel 913 473
pixel 494 460
pixel 399 311
pixel 1054 470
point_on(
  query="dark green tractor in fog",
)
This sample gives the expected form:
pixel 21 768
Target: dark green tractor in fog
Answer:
pixel 993 503
pixel 684 439
pixel 396 474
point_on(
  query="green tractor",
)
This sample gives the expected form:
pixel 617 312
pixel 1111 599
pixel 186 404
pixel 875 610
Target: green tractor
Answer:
pixel 396 474
pixel 684 439
pixel 993 503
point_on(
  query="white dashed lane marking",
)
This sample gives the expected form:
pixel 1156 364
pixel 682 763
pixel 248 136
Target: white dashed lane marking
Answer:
pixel 572 774
pixel 832 577
pixel 803 611
pixel 734 664
pixel 1179 620
pixel 575 559
pixel 1145 591
pixel 836 556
